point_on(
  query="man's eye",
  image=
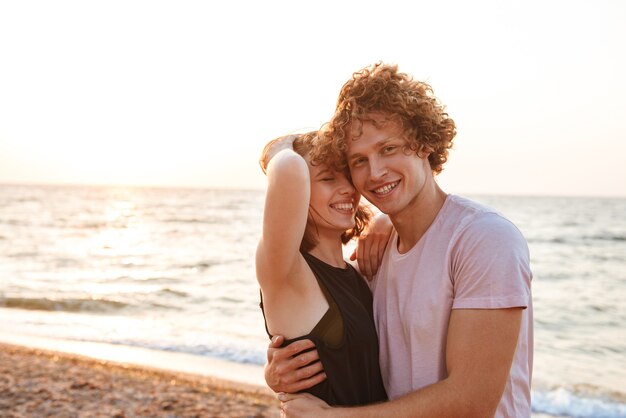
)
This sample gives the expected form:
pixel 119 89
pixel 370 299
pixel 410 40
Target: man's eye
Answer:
pixel 358 162
pixel 389 149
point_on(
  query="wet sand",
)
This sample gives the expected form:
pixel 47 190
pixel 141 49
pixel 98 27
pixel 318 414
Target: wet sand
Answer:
pixel 42 383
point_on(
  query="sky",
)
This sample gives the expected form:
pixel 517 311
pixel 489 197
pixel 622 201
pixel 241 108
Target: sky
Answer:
pixel 185 94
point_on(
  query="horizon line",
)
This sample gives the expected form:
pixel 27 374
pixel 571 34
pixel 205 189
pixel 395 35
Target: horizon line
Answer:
pixel 261 189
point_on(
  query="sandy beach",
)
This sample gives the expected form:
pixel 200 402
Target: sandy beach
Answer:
pixel 42 383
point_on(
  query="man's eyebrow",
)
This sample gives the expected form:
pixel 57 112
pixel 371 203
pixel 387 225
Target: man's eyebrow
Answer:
pixel 379 144
pixel 389 139
pixel 354 155
pixel 324 172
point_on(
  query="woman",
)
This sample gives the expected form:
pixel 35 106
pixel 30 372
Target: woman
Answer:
pixel 308 290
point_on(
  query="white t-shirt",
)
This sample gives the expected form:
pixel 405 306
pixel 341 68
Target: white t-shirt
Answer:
pixel 470 258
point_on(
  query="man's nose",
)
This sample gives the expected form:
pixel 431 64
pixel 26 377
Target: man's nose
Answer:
pixel 377 170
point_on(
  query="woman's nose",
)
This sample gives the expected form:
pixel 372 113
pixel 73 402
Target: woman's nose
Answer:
pixel 347 187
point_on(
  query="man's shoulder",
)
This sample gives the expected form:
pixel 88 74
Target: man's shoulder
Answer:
pixel 478 221
pixel 467 207
pixel 489 248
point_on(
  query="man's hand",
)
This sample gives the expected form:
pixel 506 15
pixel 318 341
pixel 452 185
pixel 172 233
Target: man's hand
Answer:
pixel 302 405
pixel 371 246
pixel 290 370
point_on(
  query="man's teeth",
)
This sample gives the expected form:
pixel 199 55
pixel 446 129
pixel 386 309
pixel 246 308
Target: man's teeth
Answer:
pixel 342 206
pixel 386 189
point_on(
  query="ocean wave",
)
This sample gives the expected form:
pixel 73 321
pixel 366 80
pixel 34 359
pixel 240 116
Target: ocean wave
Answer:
pixel 605 237
pixel 190 221
pixel 130 279
pixel 168 291
pixel 203 265
pixel 554 240
pixel 578 239
pixel 90 225
pixel 562 402
pixel 63 305
pixel 22 255
pixel 225 351
pixel 230 300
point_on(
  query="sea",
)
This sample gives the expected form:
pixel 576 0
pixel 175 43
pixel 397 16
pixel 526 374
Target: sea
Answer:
pixel 173 270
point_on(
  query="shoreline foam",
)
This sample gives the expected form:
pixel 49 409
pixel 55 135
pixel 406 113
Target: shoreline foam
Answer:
pixel 246 374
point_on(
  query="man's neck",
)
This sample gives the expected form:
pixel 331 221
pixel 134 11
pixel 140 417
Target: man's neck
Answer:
pixel 413 222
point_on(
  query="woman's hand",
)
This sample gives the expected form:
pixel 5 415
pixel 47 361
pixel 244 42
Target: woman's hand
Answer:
pixel 371 245
pixel 302 405
pixel 274 147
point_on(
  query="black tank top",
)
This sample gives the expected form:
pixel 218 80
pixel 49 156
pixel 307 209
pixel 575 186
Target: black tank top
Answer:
pixel 351 367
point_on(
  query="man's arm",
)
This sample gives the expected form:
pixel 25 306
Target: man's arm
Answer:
pixel 479 353
pixel 371 246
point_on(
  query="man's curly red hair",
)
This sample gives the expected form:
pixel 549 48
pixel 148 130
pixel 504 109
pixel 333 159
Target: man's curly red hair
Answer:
pixel 309 144
pixel 381 89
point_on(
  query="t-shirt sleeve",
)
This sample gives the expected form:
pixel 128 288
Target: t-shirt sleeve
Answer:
pixel 490 265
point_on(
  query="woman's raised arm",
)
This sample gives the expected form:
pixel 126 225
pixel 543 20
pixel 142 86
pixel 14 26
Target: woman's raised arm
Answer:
pixel 285 214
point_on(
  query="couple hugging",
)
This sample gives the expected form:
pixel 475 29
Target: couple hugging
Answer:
pixel 442 327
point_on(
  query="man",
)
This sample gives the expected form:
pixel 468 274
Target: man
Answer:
pixel 452 299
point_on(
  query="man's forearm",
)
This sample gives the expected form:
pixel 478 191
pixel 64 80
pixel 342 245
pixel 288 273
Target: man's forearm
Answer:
pixel 479 352
pixel 441 399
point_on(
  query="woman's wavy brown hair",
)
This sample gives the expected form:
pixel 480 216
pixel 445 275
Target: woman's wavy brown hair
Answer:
pixel 382 89
pixel 310 144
